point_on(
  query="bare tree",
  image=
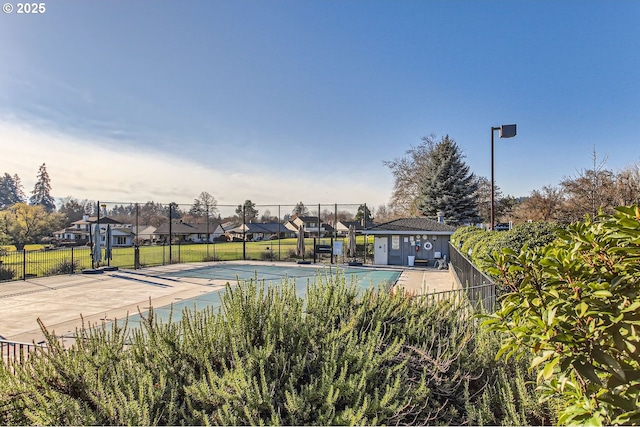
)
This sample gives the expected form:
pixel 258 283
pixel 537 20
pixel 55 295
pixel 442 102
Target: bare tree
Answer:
pixel 590 191
pixel 204 206
pixel 300 209
pixel 483 198
pixel 627 185
pixel 384 213
pixel 544 205
pixel 267 217
pixel 406 175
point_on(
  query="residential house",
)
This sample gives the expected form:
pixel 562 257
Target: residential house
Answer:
pixel 146 234
pixel 186 232
pixel 261 231
pixel 342 227
pixel 81 231
pixel 312 225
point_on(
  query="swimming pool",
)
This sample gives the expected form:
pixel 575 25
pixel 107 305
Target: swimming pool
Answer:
pixel 363 277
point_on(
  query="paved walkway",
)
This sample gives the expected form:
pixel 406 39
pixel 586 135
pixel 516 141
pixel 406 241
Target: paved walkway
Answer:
pixel 60 301
pixel 426 280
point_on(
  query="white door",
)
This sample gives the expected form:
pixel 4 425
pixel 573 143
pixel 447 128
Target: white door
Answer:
pixel 380 251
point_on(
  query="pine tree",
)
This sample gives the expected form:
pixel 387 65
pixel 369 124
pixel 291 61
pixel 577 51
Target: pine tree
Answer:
pixel 41 194
pixel 10 191
pixel 363 213
pixel 447 186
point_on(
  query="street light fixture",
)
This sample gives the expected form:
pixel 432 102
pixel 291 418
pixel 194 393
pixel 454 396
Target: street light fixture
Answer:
pixel 506 131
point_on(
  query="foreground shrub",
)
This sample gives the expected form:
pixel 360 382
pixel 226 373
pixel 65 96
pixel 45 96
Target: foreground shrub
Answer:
pixel 575 306
pixel 268 356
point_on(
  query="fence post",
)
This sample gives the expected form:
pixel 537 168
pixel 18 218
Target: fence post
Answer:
pixel 136 246
pixel 24 264
pixel 170 221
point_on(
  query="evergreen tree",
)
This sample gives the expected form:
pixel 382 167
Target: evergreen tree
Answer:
pixel 41 194
pixel 363 213
pixel 75 209
pixel 447 186
pixel 250 212
pixel 10 191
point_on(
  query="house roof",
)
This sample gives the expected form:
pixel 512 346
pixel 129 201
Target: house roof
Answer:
pixel 185 228
pixel 94 219
pixel 411 226
pixel 266 227
pixel 144 229
pixel 344 225
pixel 70 231
pixel 261 227
pixel 117 231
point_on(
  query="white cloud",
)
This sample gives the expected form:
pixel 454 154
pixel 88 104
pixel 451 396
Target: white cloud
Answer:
pixel 101 169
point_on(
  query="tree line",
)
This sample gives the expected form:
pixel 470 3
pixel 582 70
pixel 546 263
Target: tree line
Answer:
pixel 432 177
pixel 33 220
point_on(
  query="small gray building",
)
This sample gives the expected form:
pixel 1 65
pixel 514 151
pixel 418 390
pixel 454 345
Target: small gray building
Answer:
pixel 410 241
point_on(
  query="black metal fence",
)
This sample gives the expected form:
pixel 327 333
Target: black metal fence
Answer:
pixel 478 287
pixel 152 234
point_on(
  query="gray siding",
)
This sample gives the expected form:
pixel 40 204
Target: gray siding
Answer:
pixel 400 256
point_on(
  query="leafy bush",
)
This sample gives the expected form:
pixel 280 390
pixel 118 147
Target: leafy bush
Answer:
pixel 7 273
pixel 268 255
pixel 483 247
pixel 293 253
pixel 471 240
pixel 479 244
pixel 575 306
pixel 268 356
pixel 64 267
pixel 531 234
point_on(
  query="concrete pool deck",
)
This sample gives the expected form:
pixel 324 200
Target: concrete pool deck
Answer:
pixel 60 301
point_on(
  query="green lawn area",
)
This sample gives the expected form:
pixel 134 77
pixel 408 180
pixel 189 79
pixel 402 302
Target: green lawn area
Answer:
pixel 39 261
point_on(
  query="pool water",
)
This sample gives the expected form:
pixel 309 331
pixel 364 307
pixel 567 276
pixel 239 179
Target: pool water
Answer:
pixel 363 277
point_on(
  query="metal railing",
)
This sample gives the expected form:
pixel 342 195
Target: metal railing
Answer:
pixel 478 287
pixel 17 351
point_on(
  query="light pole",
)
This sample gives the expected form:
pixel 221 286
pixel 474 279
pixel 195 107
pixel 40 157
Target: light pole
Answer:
pixel 506 131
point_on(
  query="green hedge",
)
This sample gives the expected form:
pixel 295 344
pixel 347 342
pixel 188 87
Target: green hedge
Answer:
pixel 478 244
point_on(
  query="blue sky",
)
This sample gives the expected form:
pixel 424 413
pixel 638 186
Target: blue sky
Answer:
pixel 282 101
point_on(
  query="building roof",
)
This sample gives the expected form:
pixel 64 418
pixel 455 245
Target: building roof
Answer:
pixel 344 225
pixel 266 227
pixel 185 228
pixel 411 226
pixel 94 219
